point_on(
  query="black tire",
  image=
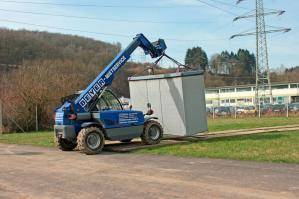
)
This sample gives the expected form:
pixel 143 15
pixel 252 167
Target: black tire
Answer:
pixel 90 140
pixel 126 140
pixel 152 132
pixel 64 144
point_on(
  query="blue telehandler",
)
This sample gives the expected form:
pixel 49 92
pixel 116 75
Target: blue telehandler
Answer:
pixel 86 119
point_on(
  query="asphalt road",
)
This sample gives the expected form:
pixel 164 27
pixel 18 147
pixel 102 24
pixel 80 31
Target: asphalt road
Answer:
pixel 34 172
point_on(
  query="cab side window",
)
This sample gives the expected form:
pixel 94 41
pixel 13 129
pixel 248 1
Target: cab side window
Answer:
pixel 112 101
pixel 102 105
pixel 108 102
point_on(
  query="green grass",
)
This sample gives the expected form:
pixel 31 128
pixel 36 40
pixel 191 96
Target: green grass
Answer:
pixel 221 124
pixel 35 138
pixel 275 147
pixel 269 147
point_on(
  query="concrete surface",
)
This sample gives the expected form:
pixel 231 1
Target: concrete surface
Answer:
pixel 34 172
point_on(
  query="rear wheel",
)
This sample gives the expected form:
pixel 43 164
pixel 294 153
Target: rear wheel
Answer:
pixel 152 132
pixel 64 144
pixel 90 140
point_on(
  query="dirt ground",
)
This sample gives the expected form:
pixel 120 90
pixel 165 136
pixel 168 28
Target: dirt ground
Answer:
pixel 34 172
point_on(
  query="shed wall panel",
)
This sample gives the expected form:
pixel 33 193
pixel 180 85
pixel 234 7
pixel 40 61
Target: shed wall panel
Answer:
pixel 172 106
pixel 154 98
pixel 194 103
pixel 138 93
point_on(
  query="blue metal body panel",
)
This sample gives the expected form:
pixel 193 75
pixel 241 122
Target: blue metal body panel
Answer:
pixel 124 133
pixel 121 118
pixel 109 118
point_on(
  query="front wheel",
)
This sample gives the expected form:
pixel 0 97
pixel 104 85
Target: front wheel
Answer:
pixel 90 140
pixel 152 132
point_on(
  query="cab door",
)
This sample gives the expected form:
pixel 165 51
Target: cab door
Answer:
pixel 112 113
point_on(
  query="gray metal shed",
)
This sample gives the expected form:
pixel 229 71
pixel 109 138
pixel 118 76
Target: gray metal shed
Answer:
pixel 178 100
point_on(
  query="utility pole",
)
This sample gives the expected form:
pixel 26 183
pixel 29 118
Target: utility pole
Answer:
pixel 1 118
pixel 36 119
pixel 262 70
pixel 263 80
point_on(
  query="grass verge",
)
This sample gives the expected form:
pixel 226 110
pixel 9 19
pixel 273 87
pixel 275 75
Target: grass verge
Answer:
pixel 269 147
pixel 222 124
pixel 32 138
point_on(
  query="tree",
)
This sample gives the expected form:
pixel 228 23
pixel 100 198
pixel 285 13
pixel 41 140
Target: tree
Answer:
pixel 196 57
pixel 235 64
pixel 247 61
pixel 215 64
pixel 224 62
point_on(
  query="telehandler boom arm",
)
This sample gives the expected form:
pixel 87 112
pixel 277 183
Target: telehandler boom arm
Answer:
pixel 84 101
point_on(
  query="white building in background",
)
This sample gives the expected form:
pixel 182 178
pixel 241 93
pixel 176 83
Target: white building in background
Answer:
pixel 244 95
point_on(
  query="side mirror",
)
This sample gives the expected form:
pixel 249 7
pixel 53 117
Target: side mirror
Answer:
pixel 149 111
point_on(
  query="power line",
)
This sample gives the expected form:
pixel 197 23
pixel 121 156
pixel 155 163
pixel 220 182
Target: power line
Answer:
pixel 228 4
pixel 95 5
pixel 218 8
pixel 235 77
pixel 191 40
pixel 60 28
pixel 102 33
pixel 108 19
pixel 103 19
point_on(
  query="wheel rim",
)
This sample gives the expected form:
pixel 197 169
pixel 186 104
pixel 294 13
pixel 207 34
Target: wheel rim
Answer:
pixel 154 132
pixel 93 140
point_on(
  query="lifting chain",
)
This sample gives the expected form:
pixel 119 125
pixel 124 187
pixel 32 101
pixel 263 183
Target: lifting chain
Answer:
pixel 180 67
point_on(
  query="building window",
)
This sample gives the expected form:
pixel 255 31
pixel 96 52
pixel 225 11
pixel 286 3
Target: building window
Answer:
pixel 294 85
pixel 279 100
pixel 285 86
pixel 294 99
pixel 209 101
pixel 227 90
pixel 261 88
pixel 244 89
pixel 232 101
pixel 266 100
pixel 212 91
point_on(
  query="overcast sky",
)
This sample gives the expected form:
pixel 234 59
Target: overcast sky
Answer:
pixel 182 23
